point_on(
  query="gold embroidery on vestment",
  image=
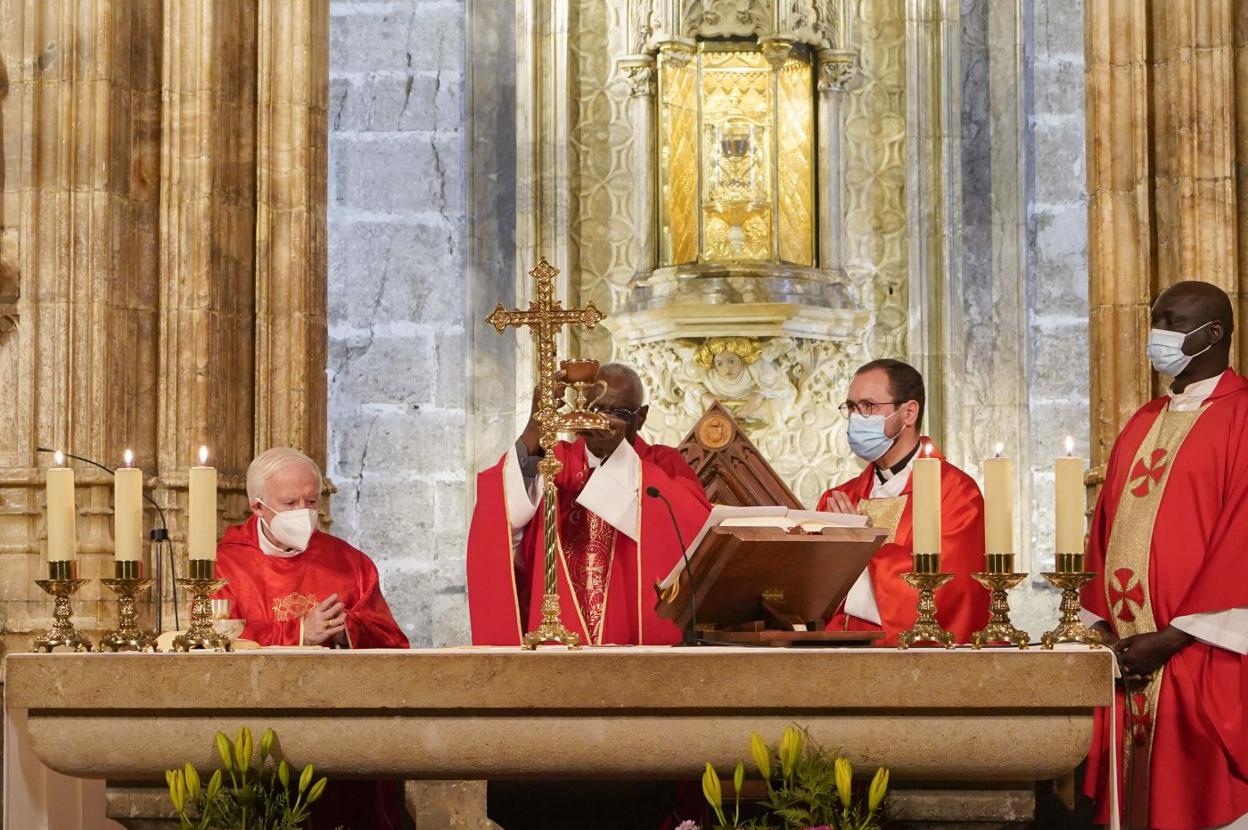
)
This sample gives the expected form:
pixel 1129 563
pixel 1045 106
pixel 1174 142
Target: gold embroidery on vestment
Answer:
pixel 884 513
pixel 1126 574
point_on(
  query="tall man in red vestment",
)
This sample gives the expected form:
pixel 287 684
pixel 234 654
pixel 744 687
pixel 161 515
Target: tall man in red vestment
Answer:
pixel 1169 542
pixel 294 585
pixel 885 411
pixel 615 541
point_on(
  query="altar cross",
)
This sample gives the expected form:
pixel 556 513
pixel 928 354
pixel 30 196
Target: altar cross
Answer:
pixel 545 316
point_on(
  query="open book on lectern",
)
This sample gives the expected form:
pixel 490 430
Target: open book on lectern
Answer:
pixel 809 521
pixel 768 574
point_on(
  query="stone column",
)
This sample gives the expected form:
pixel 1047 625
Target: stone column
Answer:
pixel 292 128
pixel 642 80
pixel 208 238
pixel 80 109
pixel 1119 215
pixel 1164 168
pixel 836 72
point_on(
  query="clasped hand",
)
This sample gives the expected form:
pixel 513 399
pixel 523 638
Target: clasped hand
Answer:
pixel 1141 655
pixel 326 624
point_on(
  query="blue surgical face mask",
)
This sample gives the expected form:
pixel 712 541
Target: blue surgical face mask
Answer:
pixel 1165 350
pixel 867 438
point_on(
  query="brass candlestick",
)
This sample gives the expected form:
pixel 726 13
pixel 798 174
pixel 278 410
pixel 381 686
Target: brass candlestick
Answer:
pixel 62 583
pixel 200 586
pixel 926 578
pixel 545 316
pixel 1000 629
pixel 1070 629
pixel 127 583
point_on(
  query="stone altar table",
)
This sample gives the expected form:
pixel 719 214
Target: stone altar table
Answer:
pixel 641 713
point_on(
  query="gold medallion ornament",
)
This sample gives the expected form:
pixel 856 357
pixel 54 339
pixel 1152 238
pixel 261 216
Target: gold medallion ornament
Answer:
pixel 715 431
pixel 545 316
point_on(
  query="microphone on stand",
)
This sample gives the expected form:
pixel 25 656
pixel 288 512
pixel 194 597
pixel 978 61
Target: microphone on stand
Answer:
pixel 689 637
pixel 158 536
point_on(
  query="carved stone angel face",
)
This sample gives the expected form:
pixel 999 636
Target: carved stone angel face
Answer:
pixel 729 365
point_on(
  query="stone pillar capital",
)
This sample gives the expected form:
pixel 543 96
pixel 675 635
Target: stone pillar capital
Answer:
pixel 838 70
pixel 639 72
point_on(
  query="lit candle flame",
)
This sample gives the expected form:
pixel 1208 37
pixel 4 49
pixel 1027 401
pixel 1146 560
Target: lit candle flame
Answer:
pixel 1070 445
pixel 927 450
pixel 1000 448
pixel 129 457
pixel 60 458
pixel 203 455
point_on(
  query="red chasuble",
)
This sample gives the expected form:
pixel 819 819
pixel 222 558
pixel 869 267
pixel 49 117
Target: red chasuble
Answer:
pixel 606 580
pixel 1170 538
pixel 272 593
pixel 962 604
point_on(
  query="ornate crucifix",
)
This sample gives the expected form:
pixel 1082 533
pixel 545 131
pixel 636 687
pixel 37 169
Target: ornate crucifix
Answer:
pixel 545 316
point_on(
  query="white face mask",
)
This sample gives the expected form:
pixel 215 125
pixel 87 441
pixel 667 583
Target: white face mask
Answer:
pixel 292 528
pixel 1165 350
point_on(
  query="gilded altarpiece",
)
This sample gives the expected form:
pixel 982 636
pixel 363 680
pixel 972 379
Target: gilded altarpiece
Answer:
pixel 837 295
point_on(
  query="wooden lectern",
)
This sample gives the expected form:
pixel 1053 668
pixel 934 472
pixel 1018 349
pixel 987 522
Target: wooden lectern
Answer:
pixel 768 585
pixel 730 467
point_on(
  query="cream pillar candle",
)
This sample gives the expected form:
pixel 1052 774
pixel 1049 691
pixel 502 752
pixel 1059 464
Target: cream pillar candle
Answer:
pixel 999 504
pixel 201 537
pixel 62 512
pixel 1071 502
pixel 925 502
pixel 128 512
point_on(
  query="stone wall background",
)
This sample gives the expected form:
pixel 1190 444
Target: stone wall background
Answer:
pixel 1056 371
pixel 397 302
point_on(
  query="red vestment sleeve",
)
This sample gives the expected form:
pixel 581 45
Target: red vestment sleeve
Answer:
pixel 494 604
pixel 369 621
pixel 962 604
pixel 660 546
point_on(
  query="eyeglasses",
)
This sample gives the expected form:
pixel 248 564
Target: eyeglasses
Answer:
pixel 864 408
pixel 617 412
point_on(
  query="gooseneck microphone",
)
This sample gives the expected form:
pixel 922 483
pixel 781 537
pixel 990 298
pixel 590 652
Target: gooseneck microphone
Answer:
pixel 689 636
pixel 158 536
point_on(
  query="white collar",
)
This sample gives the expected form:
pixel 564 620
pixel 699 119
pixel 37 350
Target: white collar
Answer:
pixel 594 461
pixel 893 486
pixel 270 549
pixel 1195 395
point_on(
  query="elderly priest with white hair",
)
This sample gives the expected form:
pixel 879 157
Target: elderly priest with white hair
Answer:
pixel 293 584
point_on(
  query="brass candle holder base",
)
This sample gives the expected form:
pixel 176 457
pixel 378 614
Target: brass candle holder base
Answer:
pixel 62 634
pixel 1069 628
pixel 552 629
pixel 127 636
pixel 1000 629
pixel 926 629
pixel 201 635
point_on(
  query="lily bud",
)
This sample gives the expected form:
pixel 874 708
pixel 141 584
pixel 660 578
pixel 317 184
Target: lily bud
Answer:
pixel 738 778
pixel 242 749
pixel 266 744
pixel 844 779
pixel 711 787
pixel 192 780
pixel 761 754
pixel 283 774
pixel 305 778
pixel 879 787
pixel 177 791
pixel 790 750
pixel 214 785
pixel 226 750
pixel 317 789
